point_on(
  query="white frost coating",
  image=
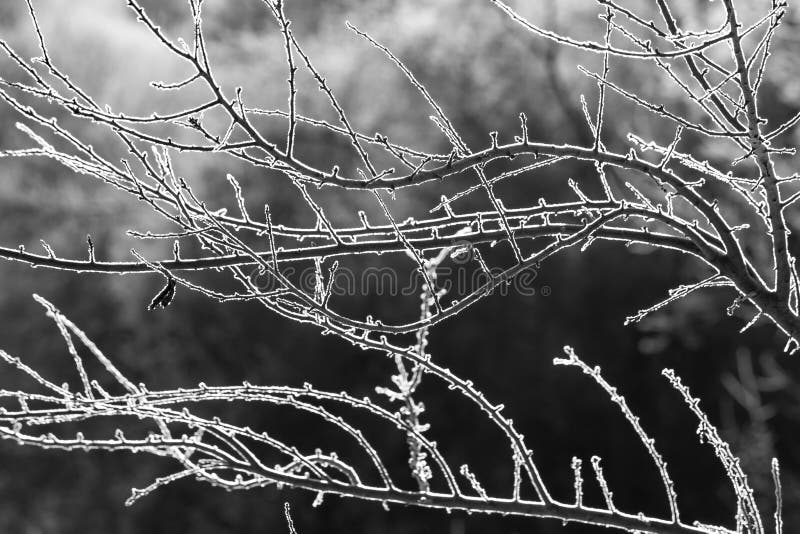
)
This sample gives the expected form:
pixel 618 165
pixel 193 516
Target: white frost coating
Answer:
pixel 663 204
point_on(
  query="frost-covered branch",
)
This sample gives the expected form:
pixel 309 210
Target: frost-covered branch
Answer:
pixel 234 457
pixel 665 195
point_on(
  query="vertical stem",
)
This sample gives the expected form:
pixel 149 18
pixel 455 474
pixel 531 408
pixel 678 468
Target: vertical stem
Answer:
pixel 760 154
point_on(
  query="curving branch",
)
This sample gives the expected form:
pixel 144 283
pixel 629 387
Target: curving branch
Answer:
pixel 228 455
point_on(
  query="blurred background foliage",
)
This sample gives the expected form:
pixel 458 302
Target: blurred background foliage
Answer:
pixel 484 71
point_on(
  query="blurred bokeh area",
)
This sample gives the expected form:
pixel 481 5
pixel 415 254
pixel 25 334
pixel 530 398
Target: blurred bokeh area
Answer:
pixel 483 70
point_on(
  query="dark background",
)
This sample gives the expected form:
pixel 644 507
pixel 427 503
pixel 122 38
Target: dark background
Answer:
pixel 484 70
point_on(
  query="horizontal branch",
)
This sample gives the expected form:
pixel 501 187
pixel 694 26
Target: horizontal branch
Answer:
pixel 519 507
pixel 227 452
pixel 628 235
